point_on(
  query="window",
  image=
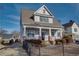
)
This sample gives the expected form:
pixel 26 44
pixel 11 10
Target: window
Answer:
pixel 53 32
pixel 58 34
pixel 43 19
pixel 75 29
pixel 30 34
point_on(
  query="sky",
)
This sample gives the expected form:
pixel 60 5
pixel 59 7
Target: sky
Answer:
pixel 10 13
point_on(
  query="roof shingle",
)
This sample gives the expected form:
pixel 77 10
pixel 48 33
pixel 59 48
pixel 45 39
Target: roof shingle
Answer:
pixel 69 24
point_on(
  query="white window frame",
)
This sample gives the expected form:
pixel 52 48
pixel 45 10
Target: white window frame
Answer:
pixel 43 20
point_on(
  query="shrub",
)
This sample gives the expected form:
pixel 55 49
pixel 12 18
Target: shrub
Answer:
pixel 11 41
pixel 45 43
pixel 67 39
pixel 51 42
pixel 16 40
pixel 2 42
pixel 58 42
pixel 35 41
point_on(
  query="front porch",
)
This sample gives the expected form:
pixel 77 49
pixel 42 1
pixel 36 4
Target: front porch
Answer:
pixel 42 33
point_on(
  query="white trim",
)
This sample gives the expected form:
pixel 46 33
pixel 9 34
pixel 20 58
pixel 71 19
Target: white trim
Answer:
pixel 59 29
pixel 50 32
pixel 43 27
pixel 44 7
pixel 48 10
pixel 38 9
pixel 40 31
pixel 24 31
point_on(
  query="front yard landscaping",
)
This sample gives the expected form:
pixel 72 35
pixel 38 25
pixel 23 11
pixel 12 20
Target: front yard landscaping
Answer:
pixel 16 49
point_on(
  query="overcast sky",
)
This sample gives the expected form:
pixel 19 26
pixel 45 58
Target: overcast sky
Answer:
pixel 10 13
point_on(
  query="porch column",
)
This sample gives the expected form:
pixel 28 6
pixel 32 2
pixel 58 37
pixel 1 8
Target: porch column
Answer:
pixel 40 32
pixel 50 32
pixel 49 38
pixel 24 31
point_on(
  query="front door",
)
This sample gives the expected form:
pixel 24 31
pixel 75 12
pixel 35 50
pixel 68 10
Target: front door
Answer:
pixel 45 33
pixel 43 36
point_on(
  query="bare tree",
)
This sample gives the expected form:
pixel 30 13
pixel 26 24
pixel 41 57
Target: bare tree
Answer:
pixel 16 34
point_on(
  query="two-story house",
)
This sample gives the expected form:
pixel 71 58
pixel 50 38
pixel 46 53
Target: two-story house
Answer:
pixel 40 24
pixel 71 28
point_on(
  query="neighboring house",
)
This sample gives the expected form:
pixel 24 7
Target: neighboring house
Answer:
pixel 40 24
pixel 71 28
pixel 8 37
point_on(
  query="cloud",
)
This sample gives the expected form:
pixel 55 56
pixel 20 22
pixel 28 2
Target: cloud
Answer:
pixel 11 20
pixel 14 17
pixel 15 23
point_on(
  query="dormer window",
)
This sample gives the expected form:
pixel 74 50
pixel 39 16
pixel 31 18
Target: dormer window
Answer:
pixel 43 15
pixel 43 19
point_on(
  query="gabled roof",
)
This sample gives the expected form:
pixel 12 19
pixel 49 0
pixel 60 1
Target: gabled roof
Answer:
pixel 28 19
pixel 45 8
pixel 69 24
pixel 27 16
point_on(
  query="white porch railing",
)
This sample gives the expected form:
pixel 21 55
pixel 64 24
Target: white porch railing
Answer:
pixel 52 38
pixel 35 37
pixel 46 38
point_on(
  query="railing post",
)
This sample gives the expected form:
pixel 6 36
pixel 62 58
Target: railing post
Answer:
pixel 29 50
pixel 39 51
pixel 62 47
